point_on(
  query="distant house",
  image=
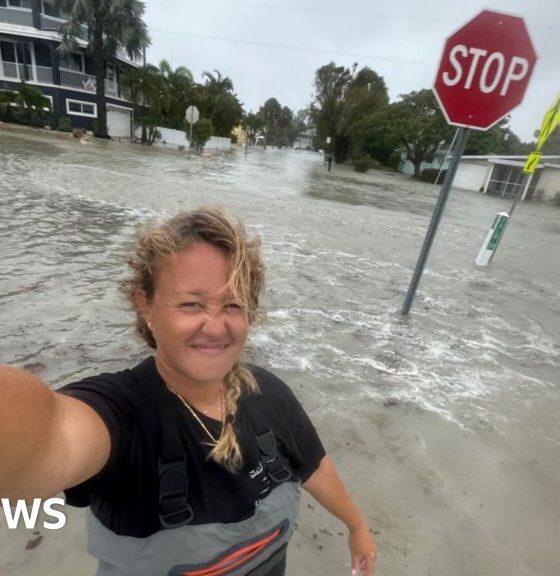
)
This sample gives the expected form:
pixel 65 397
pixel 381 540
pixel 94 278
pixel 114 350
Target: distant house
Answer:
pixel 437 161
pixel 28 41
pixel 498 175
pixel 305 140
pixel 504 176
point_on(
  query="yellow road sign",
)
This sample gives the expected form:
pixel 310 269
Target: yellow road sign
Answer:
pixel 549 122
pixel 532 162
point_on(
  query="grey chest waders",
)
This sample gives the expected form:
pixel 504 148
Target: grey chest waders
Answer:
pixel 255 546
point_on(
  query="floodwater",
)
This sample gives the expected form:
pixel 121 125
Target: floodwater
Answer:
pixel 481 346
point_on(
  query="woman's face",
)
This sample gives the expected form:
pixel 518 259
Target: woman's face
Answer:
pixel 200 329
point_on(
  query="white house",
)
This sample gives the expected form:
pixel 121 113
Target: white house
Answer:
pixel 504 176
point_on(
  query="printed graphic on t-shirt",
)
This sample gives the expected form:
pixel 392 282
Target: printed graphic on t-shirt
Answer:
pixel 259 476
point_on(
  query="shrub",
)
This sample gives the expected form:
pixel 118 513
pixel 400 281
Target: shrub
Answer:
pixel 202 132
pixel 394 160
pixel 430 175
pixel 22 116
pixel 362 164
pixel 234 139
pixel 64 124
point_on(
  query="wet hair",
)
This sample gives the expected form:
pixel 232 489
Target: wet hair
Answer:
pixel 213 226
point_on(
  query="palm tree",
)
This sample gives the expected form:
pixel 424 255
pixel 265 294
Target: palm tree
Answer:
pixel 217 82
pixel 149 92
pixel 110 23
pixel 180 86
pixel 217 101
pixel 29 97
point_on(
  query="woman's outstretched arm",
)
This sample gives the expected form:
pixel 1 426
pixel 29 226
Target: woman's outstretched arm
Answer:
pixel 327 488
pixel 48 441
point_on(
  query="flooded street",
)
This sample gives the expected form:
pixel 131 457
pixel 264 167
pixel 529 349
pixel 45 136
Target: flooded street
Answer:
pixel 480 352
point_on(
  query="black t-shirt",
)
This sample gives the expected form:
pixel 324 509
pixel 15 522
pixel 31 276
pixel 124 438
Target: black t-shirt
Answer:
pixel 124 495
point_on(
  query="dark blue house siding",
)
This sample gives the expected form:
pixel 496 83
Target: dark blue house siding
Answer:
pixel 48 75
pixel 60 96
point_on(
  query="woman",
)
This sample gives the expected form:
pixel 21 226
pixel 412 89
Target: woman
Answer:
pixel 192 461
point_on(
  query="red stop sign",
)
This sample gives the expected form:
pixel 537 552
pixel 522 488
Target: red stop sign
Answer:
pixel 484 70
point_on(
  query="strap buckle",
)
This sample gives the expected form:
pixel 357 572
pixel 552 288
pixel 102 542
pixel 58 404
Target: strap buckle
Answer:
pixel 276 470
pixel 174 508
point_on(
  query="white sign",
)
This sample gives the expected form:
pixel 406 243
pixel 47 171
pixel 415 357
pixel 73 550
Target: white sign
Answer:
pixel 493 69
pixel 192 115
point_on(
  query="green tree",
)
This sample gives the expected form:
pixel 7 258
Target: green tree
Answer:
pixel 348 106
pixel 217 101
pixel 110 23
pixel 202 132
pixel 364 108
pixel 417 122
pixel 149 93
pixel 270 113
pixel 488 142
pixel 331 85
pixel 252 124
pixel 26 106
pixel 180 87
pixel 298 125
pixel 372 137
pixel 29 97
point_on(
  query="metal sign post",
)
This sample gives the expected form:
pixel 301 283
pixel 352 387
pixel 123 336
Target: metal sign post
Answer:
pixel 549 123
pixel 483 74
pixel 462 137
pixel 191 116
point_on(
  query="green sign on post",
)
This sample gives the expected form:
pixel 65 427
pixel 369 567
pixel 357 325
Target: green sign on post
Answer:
pixel 499 229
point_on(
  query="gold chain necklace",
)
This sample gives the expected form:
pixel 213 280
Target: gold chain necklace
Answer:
pixel 213 440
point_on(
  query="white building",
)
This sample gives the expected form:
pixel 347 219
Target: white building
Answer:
pixel 504 176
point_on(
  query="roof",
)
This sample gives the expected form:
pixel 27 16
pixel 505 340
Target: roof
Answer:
pixel 30 31
pixel 521 158
pixel 519 161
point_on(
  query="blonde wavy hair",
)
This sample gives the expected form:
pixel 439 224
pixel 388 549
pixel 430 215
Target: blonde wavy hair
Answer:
pixel 215 227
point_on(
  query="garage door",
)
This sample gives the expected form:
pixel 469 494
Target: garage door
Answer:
pixel 118 121
pixel 471 176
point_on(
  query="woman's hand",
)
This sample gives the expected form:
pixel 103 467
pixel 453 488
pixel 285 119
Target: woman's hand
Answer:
pixel 326 487
pixel 363 551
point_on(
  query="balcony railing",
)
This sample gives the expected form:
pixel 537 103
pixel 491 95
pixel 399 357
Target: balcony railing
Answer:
pixel 87 82
pixel 123 54
pixel 53 24
pixel 43 74
pixel 20 16
pixel 50 23
pixel 77 80
pixel 12 70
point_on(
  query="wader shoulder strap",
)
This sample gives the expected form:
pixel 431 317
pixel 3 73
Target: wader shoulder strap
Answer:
pixel 271 458
pixel 174 507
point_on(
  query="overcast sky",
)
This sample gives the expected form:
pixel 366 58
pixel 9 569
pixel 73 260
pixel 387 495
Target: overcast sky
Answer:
pixel 273 47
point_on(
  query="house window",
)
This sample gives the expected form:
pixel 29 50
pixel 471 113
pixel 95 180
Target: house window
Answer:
pixel 25 4
pixel 8 52
pixel 50 9
pixel 51 107
pixel 73 62
pixel 111 76
pixel 79 108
